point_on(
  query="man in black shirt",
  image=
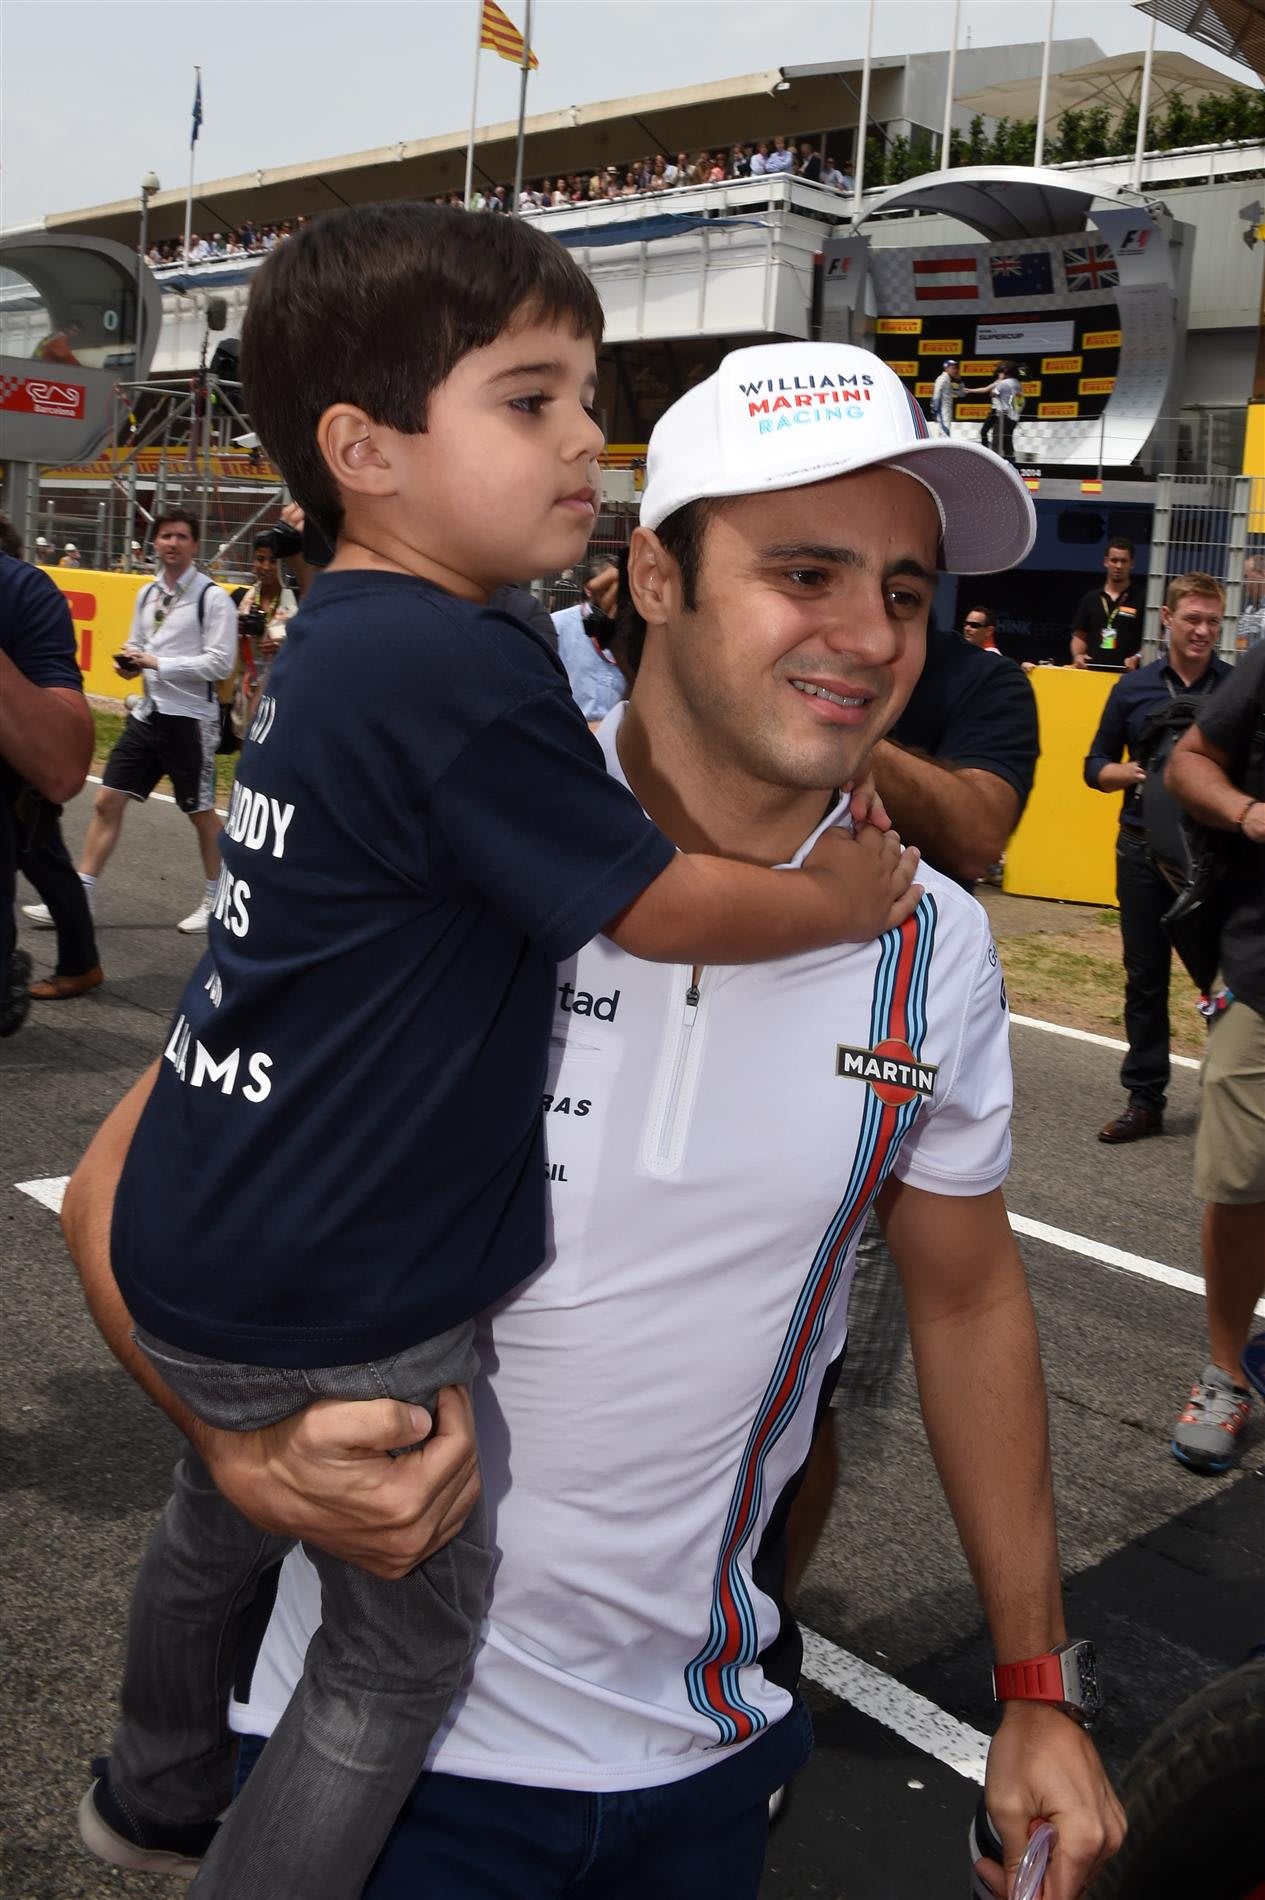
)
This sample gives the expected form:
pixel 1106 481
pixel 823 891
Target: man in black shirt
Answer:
pixel 1192 621
pixel 1107 630
pixel 1218 774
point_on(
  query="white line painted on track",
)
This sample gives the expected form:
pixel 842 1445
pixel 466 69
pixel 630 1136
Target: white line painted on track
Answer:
pixel 1114 1257
pixel 1088 1035
pixel 47 1192
pixel 883 1699
pixel 165 797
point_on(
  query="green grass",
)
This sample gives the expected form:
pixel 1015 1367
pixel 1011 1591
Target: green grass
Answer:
pixel 1076 978
pixel 110 724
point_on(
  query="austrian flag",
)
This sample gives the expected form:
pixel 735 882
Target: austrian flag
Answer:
pixel 945 280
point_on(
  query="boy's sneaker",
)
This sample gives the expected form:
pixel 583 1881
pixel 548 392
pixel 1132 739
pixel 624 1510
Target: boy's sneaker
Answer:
pixel 196 920
pixel 110 1832
pixel 1208 1431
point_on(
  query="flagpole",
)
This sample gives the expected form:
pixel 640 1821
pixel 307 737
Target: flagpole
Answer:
pixel 1144 103
pixel 949 85
pixel 1039 150
pixel 864 125
pixel 474 100
pixel 193 146
pixel 522 111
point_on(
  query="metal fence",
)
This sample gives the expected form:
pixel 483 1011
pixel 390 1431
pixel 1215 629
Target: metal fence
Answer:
pixel 1207 527
pixel 182 444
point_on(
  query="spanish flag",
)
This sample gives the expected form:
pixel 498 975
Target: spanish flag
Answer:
pixel 501 36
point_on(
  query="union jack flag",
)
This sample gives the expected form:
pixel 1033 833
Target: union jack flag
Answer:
pixel 1090 267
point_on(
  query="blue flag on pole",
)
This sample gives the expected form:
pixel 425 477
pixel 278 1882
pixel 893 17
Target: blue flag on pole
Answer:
pixel 197 108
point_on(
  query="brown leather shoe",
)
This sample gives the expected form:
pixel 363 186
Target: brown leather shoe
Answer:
pixel 56 989
pixel 1134 1124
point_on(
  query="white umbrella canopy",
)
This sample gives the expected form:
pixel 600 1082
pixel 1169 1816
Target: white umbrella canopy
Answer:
pixel 1115 83
pixel 1234 28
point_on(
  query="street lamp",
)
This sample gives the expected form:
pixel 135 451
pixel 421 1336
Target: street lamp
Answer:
pixel 149 185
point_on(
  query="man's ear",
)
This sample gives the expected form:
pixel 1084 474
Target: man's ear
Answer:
pixel 654 579
pixel 356 451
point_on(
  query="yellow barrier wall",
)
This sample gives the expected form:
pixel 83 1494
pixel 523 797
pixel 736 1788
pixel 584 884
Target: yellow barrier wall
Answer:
pixel 101 608
pixel 1066 842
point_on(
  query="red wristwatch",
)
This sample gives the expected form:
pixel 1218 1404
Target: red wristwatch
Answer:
pixel 1067 1677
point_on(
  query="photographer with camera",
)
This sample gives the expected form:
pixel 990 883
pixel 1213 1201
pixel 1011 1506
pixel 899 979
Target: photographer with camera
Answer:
pixel 262 611
pixel 1217 773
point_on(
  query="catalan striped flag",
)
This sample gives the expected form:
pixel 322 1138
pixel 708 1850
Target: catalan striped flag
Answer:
pixel 499 34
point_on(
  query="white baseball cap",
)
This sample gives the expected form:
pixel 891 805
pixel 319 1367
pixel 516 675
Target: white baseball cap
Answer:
pixel 782 415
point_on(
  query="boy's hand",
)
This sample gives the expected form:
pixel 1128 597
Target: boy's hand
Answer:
pixel 323 1476
pixel 865 807
pixel 869 879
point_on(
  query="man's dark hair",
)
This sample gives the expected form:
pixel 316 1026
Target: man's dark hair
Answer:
pixel 191 522
pixel 986 614
pixel 1122 541
pixel 375 306
pixel 682 535
pixel 10 539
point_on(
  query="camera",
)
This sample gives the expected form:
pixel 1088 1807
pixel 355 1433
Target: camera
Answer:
pixel 255 624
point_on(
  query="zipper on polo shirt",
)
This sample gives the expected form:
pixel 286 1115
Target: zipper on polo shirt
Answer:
pixel 673 1100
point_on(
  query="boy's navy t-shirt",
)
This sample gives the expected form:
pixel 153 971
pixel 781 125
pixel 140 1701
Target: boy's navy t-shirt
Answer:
pixel 343 1151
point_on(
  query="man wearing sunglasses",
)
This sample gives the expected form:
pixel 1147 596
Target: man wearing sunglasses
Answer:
pixel 183 639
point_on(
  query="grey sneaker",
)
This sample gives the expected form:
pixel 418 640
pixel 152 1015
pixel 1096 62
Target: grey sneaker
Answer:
pixel 1208 1432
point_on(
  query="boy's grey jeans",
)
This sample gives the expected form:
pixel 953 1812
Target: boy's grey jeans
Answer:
pixel 379 1672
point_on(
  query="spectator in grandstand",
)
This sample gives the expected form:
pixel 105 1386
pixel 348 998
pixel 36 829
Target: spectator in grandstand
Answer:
pixel 809 166
pixel 70 556
pixel 980 628
pixel 759 160
pixel 678 173
pixel 44 550
pixel 1252 614
pixel 740 161
pixel 607 1665
pixel 1217 771
pixel 182 640
pixel 781 158
pixel 1107 629
pixel 45 741
pixel 1191 618
pixel 832 176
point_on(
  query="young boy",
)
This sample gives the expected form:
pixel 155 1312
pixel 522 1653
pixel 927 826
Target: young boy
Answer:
pixel 341 1163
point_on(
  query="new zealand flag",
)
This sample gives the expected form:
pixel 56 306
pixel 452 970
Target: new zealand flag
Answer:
pixel 1024 275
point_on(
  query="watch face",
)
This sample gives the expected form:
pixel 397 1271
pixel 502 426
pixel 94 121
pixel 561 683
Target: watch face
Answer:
pixel 1088 1690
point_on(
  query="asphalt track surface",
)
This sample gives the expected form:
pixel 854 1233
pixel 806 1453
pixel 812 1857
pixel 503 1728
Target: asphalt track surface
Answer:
pixel 1163 1569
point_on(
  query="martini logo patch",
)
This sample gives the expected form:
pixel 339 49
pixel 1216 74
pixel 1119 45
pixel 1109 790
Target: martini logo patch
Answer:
pixel 891 1068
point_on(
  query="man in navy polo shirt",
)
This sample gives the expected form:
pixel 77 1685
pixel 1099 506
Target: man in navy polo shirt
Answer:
pixel 1191 618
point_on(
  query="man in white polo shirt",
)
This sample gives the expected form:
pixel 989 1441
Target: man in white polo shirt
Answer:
pixel 714 1139
pixel 182 640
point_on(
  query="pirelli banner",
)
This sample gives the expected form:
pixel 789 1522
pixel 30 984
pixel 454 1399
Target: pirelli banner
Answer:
pixel 1092 319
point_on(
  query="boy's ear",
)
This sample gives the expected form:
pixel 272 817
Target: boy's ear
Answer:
pixel 355 450
pixel 653 577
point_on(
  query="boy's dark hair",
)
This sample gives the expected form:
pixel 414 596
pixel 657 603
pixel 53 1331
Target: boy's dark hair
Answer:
pixel 10 539
pixel 682 535
pixel 165 515
pixel 375 306
pixel 1121 541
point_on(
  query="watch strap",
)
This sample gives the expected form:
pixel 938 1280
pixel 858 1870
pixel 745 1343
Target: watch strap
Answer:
pixel 1038 1679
